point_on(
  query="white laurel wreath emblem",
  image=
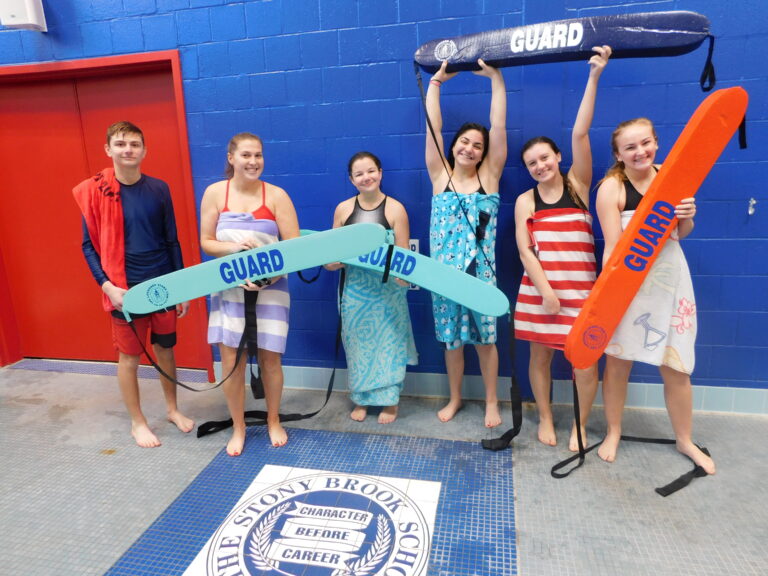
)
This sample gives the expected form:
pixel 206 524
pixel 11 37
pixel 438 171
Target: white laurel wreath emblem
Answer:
pixel 376 552
pixel 260 539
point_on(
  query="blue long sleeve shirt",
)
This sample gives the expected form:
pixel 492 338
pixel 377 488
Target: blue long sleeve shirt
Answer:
pixel 151 242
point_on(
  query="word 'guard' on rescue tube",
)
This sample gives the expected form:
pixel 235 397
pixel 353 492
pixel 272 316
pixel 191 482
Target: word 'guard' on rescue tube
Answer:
pixel 629 35
pixel 695 152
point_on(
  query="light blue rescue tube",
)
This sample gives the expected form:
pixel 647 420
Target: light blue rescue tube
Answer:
pixel 263 262
pixel 423 271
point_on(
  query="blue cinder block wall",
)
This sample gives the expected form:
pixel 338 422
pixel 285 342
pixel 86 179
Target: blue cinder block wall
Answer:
pixel 322 79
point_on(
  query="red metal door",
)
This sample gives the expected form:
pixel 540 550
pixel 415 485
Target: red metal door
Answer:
pixel 52 136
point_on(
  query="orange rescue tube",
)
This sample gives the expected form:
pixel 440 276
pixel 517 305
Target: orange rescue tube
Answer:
pixel 697 149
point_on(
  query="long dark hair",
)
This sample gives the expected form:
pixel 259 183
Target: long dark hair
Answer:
pixel 566 183
pixel 466 127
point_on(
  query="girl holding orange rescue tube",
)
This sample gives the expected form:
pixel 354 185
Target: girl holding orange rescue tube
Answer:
pixel 659 327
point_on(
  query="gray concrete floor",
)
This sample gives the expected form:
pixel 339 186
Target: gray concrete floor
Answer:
pixel 77 492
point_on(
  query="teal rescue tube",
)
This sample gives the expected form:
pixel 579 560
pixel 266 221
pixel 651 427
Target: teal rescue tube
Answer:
pixel 629 35
pixel 264 262
pixel 427 273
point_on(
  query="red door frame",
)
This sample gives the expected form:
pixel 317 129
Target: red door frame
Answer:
pixel 10 346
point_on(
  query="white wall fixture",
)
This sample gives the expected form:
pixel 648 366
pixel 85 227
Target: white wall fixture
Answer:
pixel 26 14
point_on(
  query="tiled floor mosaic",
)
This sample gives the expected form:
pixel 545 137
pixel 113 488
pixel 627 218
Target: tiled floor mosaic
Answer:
pixel 472 534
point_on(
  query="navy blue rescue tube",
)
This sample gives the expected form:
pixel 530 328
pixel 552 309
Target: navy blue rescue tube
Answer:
pixel 629 35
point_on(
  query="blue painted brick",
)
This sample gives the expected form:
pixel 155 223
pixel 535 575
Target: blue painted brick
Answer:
pixel 194 26
pixel 171 5
pixel 358 46
pixel 362 119
pixel 300 16
pixel 304 87
pixel 228 23
pixel 718 256
pixel 753 331
pixel 219 127
pixel 708 292
pixel 376 13
pixel 402 117
pixel 339 14
pixel 456 8
pixel 715 327
pixel 282 53
pixel 213 59
pixel 421 11
pixel 68 43
pixel 36 47
pixel 203 3
pixel 246 56
pixel 200 95
pixel 232 93
pixel 263 19
pixel 323 121
pixel 380 81
pixel 744 293
pixel 101 10
pixel 189 66
pixel 97 38
pixel 396 42
pixel 341 84
pixel 320 49
pixel 138 7
pixel 268 90
pixel 159 32
pixel 287 120
pixel 11 50
pixel 732 363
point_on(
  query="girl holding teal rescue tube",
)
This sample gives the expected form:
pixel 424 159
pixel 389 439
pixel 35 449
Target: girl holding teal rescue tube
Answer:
pixel 376 326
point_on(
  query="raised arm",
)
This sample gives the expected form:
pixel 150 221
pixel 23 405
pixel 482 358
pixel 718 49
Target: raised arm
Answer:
pixel 609 213
pixel 581 169
pixel 434 153
pixel 497 146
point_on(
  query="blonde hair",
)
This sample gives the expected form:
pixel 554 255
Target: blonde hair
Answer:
pixel 617 170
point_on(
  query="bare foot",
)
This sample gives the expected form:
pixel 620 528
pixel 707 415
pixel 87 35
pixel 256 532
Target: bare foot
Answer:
pixel 144 436
pixel 359 413
pixel 699 458
pixel 236 443
pixel 609 447
pixel 573 443
pixel 547 432
pixel 449 410
pixel 492 415
pixel 182 422
pixel 388 415
pixel 277 434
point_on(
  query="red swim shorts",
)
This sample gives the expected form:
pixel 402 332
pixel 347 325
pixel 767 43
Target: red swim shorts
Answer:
pixel 161 325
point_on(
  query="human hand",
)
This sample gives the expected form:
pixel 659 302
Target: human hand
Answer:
pixel 551 304
pixel 686 210
pixel 333 266
pixel 600 60
pixel 486 70
pixel 182 309
pixel 115 294
pixel 256 285
pixel 442 75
